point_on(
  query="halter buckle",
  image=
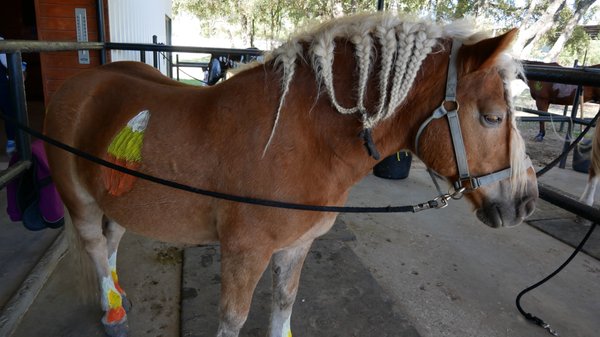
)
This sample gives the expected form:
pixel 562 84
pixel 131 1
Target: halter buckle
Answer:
pixel 468 183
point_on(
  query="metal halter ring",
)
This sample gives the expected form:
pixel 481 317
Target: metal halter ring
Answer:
pixel 457 194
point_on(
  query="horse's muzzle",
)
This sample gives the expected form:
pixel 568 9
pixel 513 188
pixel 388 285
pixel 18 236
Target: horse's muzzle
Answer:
pixel 505 209
pixel 498 215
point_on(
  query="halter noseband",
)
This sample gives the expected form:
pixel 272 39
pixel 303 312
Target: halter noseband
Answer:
pixel 465 180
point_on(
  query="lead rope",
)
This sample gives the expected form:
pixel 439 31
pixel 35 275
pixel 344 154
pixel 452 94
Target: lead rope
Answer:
pixel 536 319
pixel 532 318
pixel 438 202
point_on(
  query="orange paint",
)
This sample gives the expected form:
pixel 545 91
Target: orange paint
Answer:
pixel 118 183
pixel 115 315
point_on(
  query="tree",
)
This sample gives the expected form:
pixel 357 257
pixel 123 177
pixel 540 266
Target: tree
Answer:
pixel 550 23
pixel 267 19
pixel 581 7
pixel 543 23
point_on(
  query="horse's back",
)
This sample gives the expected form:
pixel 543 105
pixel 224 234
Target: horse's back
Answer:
pixel 102 98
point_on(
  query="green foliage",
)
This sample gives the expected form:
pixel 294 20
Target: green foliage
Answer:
pixel 580 47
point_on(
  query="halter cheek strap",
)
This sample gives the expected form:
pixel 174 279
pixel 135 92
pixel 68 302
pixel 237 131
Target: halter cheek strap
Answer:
pixel 465 180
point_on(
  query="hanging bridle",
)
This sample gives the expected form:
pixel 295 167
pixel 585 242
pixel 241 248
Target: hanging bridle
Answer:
pixel 465 181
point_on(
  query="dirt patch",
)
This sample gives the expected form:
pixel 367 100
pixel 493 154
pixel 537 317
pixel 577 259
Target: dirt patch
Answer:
pixel 169 255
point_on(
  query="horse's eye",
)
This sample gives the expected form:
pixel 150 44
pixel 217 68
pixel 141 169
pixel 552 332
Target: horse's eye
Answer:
pixel 492 120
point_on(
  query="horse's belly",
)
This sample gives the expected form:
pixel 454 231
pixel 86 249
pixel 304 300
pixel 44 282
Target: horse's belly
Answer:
pixel 177 217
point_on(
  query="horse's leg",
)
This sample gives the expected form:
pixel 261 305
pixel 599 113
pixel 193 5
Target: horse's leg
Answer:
pixel 590 189
pixel 241 270
pixel 542 105
pixel 89 227
pixel 114 232
pixel 286 268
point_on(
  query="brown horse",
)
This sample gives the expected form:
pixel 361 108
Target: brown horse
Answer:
pixel 546 93
pixel 287 130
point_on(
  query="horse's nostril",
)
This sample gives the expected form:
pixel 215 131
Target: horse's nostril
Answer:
pixel 527 207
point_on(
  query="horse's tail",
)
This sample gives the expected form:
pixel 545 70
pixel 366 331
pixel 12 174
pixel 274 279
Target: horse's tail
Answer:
pixel 87 284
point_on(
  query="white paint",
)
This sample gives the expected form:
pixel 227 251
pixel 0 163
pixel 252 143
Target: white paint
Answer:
pixel 287 329
pixel 564 90
pixel 136 21
pixel 139 122
pixel 112 261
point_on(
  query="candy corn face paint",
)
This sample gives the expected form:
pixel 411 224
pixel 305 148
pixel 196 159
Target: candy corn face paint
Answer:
pixel 125 150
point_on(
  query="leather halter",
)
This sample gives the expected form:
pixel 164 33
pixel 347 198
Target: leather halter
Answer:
pixel 465 180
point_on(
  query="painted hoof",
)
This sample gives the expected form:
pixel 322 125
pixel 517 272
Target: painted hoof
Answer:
pixel 127 304
pixel 118 329
pixel 539 137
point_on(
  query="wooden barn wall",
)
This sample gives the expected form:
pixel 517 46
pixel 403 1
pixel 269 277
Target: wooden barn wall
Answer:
pixel 56 22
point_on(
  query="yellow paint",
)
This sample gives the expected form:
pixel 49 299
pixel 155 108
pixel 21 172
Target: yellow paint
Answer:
pixel 114 275
pixel 127 144
pixel 289 333
pixel 114 299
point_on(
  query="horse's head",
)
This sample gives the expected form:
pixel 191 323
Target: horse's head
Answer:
pixel 390 71
pixel 492 143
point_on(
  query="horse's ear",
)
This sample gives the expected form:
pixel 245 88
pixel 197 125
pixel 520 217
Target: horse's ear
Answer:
pixel 484 54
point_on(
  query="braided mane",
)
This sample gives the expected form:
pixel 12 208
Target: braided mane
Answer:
pixel 404 44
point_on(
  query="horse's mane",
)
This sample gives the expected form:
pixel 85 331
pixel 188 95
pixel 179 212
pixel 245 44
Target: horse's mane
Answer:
pixel 404 44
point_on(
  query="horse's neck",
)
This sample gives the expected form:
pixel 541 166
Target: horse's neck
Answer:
pixel 426 95
pixel 312 131
pixel 339 134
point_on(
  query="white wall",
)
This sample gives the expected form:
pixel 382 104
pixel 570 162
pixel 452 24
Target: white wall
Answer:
pixel 135 21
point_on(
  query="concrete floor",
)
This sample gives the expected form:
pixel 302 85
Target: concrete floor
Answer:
pixel 442 270
pixel 453 276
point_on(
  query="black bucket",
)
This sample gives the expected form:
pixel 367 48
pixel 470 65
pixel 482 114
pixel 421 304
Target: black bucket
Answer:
pixel 396 166
pixel 581 156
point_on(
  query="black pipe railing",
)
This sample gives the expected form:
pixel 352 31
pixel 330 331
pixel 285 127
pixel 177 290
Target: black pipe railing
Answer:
pixel 548 117
pixel 101 28
pixel 581 75
pixel 13 49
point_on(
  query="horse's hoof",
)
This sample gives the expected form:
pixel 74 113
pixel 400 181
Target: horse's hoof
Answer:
pixel 126 303
pixel 539 137
pixel 118 329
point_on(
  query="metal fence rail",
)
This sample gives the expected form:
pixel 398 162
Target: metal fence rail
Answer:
pixel 577 76
pixel 548 116
pixel 13 49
